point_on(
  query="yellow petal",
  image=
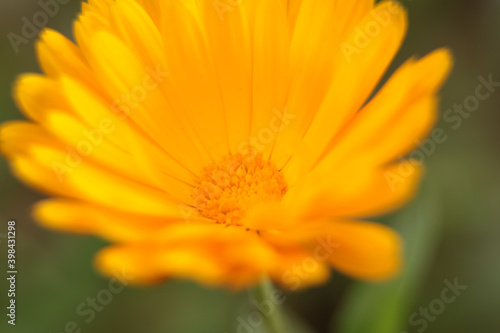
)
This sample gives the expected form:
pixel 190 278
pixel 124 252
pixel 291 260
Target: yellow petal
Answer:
pixel 358 193
pixel 318 27
pixel 137 29
pixel 135 87
pixel 153 159
pixel 354 80
pixel 199 102
pixel 270 75
pixel 212 255
pixel 36 95
pixel 46 164
pixel 403 111
pixel 115 225
pixel 229 28
pixel 50 47
pixel 363 250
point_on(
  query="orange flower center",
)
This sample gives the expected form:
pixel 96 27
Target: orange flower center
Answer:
pixel 227 190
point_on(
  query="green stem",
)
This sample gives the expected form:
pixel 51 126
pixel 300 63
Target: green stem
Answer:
pixel 263 293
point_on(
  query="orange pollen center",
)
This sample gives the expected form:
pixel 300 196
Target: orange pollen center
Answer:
pixel 227 190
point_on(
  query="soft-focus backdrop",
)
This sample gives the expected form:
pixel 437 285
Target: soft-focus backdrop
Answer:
pixel 451 229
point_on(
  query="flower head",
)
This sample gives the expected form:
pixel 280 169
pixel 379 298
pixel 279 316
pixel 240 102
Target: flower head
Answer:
pixel 224 141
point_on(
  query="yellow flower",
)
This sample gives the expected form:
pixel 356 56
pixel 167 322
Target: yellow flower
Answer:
pixel 224 141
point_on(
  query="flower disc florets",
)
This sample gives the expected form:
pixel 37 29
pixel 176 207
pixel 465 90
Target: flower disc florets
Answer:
pixel 227 190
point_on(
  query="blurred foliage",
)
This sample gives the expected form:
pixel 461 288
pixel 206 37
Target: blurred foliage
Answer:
pixel 462 185
pixel 374 308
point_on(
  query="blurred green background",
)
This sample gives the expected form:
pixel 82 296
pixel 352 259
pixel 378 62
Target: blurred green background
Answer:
pixel 452 229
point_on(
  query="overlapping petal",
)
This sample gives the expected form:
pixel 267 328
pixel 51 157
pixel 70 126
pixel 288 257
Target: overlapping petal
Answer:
pixel 153 92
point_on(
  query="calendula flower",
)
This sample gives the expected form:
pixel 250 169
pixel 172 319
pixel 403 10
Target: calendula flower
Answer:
pixel 225 141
